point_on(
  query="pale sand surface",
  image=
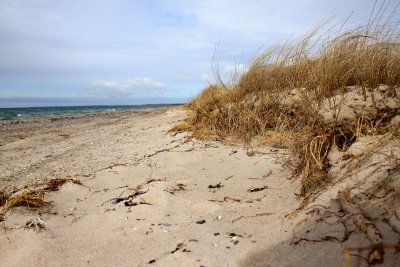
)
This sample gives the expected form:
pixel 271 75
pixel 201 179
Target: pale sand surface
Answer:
pixel 113 153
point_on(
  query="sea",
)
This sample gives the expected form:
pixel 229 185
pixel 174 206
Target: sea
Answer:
pixel 37 112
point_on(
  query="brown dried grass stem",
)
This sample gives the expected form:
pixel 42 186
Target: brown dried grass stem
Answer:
pixel 33 198
pixel 30 198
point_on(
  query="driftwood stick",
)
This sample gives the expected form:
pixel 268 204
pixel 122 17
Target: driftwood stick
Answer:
pixel 364 223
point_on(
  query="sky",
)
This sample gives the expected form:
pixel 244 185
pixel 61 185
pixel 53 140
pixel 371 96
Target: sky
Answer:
pixel 66 52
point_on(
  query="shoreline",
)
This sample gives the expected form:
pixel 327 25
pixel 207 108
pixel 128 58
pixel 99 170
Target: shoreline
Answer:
pixel 31 136
pixel 73 114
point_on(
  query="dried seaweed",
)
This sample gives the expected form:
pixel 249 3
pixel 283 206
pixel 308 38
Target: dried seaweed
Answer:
pixel 55 184
pixel 216 186
pixel 137 191
pixel 128 198
pixel 3 197
pixel 226 199
pixel 179 187
pixel 130 203
pixel 257 189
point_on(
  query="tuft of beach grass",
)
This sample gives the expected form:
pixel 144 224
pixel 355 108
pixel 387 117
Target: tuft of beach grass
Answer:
pixel 282 97
pixel 31 197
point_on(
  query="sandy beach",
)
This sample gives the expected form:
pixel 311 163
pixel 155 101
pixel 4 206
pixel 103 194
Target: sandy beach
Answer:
pixel 149 197
pixel 201 133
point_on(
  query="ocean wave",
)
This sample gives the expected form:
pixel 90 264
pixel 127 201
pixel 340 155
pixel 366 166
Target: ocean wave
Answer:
pixel 8 115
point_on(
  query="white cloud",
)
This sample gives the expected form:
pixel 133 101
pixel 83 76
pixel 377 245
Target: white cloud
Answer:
pixel 133 86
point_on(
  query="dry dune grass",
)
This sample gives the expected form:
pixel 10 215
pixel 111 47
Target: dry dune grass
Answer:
pixel 31 197
pixel 282 94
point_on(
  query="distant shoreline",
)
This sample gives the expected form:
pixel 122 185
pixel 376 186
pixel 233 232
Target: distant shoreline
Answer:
pixel 29 113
